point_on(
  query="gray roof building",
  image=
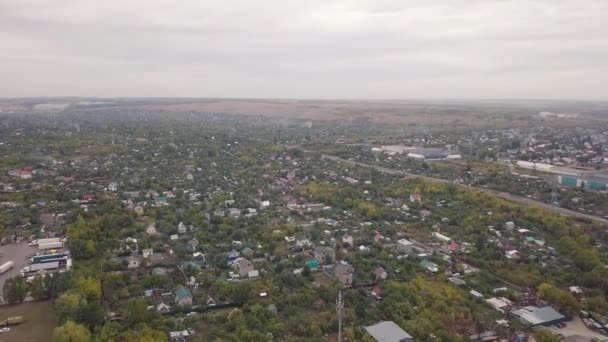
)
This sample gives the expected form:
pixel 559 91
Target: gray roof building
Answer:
pixel 534 316
pixel 388 331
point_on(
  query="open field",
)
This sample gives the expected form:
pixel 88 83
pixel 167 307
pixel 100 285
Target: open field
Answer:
pixel 39 322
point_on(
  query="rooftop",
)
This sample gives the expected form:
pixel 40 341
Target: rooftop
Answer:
pixel 388 331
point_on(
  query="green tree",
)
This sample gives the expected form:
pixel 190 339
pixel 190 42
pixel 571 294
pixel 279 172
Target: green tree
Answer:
pixel 68 305
pixel 137 311
pixel 38 289
pixel 91 314
pixel 109 332
pixel 545 336
pixel 15 290
pixel 71 332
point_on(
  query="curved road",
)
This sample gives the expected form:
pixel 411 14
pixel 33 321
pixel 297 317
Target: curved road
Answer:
pixel 504 195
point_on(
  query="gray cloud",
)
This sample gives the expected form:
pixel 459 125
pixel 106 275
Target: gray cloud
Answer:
pixel 305 49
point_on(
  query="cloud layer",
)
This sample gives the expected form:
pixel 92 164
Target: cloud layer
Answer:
pixel 305 49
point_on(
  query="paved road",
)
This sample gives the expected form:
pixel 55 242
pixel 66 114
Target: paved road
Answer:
pixel 504 195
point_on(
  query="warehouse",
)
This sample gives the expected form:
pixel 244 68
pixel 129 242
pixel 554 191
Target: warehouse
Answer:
pixel 535 316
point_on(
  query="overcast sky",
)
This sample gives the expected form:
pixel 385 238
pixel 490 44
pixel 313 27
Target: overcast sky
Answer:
pixel 305 49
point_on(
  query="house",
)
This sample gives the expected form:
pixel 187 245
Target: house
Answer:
pixel 163 308
pixel 132 261
pixel 179 336
pixel 199 258
pixel 247 252
pixel 183 296
pixel 146 252
pixel 324 254
pixel 233 254
pixel 181 228
pixel 510 225
pixel 174 237
pixel 429 266
pixel 156 258
pixel 192 245
pixel 376 292
pixel 425 213
pixel 344 272
pixel 378 237
pixel 243 266
pixel 210 301
pixel 234 213
pixel 151 229
pixel 500 304
pixel 416 197
pixel 404 246
pixel 347 239
pixel 441 237
pixel 312 264
pixel 380 273
pixel 388 331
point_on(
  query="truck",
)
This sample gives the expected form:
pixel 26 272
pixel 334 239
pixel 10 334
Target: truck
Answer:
pixel 11 321
pixel 46 257
pixel 43 241
pixel 6 266
pixel 50 245
pixel 43 266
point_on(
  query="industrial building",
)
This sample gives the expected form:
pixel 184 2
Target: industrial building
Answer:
pixel 418 153
pixel 588 183
pixel 568 176
pixel 535 316
pixel 388 331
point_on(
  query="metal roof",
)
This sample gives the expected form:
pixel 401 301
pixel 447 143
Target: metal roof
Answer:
pixel 388 331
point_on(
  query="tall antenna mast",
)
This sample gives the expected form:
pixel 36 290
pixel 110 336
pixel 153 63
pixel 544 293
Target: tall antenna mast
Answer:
pixel 340 310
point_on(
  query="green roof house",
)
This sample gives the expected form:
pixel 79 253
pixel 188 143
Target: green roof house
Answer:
pixel 183 296
pixel 312 264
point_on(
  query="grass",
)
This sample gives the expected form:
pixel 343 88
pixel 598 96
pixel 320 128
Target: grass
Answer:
pixel 39 320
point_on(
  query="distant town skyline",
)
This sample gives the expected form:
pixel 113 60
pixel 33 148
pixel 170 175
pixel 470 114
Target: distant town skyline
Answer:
pixel 363 49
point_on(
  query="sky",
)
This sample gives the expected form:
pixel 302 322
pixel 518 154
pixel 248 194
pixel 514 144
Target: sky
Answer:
pixel 346 49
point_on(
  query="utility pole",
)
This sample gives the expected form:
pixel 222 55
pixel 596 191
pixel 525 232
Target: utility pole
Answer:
pixel 555 197
pixel 340 310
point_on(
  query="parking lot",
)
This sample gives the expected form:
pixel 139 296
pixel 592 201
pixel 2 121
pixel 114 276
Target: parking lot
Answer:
pixel 574 327
pixel 18 253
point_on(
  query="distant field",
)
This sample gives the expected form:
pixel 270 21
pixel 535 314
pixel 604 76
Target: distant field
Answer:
pixel 39 322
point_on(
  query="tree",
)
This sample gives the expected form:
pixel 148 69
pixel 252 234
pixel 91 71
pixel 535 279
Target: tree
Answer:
pixel 91 314
pixel 15 290
pixel 38 289
pixel 566 302
pixel 71 332
pixel 151 335
pixel 137 311
pixel 68 305
pixel 545 336
pixel 109 332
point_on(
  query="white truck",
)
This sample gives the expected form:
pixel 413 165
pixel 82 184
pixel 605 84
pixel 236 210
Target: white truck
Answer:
pixel 6 266
pixel 43 241
pixel 39 267
pixel 50 245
